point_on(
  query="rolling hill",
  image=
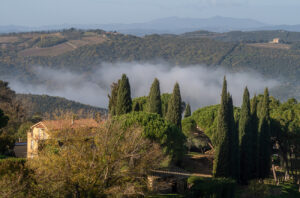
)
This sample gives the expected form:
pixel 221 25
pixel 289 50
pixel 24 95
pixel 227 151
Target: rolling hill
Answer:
pixel 85 51
pixel 48 106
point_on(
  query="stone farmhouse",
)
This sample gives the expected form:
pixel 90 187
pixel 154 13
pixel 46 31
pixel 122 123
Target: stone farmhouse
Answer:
pixel 42 131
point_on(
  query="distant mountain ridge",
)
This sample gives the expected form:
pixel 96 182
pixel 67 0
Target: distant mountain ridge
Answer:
pixel 170 25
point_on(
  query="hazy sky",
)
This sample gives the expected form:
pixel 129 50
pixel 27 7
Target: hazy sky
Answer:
pixel 53 12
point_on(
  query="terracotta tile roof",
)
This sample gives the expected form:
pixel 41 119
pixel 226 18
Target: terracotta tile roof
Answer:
pixel 64 124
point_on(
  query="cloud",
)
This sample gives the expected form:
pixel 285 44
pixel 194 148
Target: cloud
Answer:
pixel 200 86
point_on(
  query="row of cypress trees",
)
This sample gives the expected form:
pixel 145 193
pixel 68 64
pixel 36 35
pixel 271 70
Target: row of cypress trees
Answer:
pixel 243 149
pixel 120 101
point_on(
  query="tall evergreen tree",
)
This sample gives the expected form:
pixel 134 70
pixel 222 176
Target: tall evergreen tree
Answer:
pixel 234 142
pixel 124 102
pixel 222 161
pixel 245 139
pixel 112 103
pixel 187 112
pixel 174 107
pixel 154 98
pixel 264 138
pixel 254 123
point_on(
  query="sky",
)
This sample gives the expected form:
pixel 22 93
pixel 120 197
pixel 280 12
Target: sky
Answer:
pixel 55 12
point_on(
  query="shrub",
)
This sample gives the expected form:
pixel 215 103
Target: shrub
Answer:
pixel 14 178
pixel 211 187
pixel 7 144
pixel 158 130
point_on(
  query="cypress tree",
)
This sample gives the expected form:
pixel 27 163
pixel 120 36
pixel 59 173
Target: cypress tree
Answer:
pixel 234 142
pixel 112 103
pixel 154 98
pixel 222 161
pixel 174 107
pixel 254 123
pixel 187 112
pixel 245 139
pixel 124 102
pixel 264 138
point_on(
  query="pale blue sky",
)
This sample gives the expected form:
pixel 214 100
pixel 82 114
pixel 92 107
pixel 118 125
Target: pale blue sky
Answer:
pixel 54 12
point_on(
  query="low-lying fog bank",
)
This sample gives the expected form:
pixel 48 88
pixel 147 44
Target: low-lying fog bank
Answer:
pixel 200 86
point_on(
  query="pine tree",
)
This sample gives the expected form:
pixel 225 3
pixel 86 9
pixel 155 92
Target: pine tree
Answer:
pixel 124 102
pixel 245 139
pixel 187 112
pixel 174 107
pixel 154 98
pixel 264 138
pixel 112 103
pixel 234 142
pixel 254 123
pixel 222 161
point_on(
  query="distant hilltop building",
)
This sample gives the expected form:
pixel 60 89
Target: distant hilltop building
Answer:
pixel 275 40
pixel 42 131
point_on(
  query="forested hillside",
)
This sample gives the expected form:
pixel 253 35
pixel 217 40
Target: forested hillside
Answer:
pixel 46 106
pixel 248 36
pixel 85 50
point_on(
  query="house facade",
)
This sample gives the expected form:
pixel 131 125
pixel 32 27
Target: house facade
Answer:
pixel 42 131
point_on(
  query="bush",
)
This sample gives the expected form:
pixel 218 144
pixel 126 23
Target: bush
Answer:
pixel 196 141
pixel 7 144
pixel 14 178
pixel 211 187
pixel 158 130
pixel 10 165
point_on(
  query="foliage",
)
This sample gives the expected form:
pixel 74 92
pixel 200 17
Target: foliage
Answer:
pixel 112 103
pixel 50 41
pixel 254 124
pixel 263 36
pixel 140 103
pixel 174 107
pixel 245 139
pixel 264 138
pixel 154 98
pixel 15 178
pixel 165 97
pixel 222 160
pixel 206 119
pixel 112 163
pixel 3 119
pixel 187 112
pixel 157 129
pixel 46 106
pixel 234 143
pixel 7 144
pixel 195 140
pixel 124 102
pixel 22 131
pixel 11 108
pixel 211 187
